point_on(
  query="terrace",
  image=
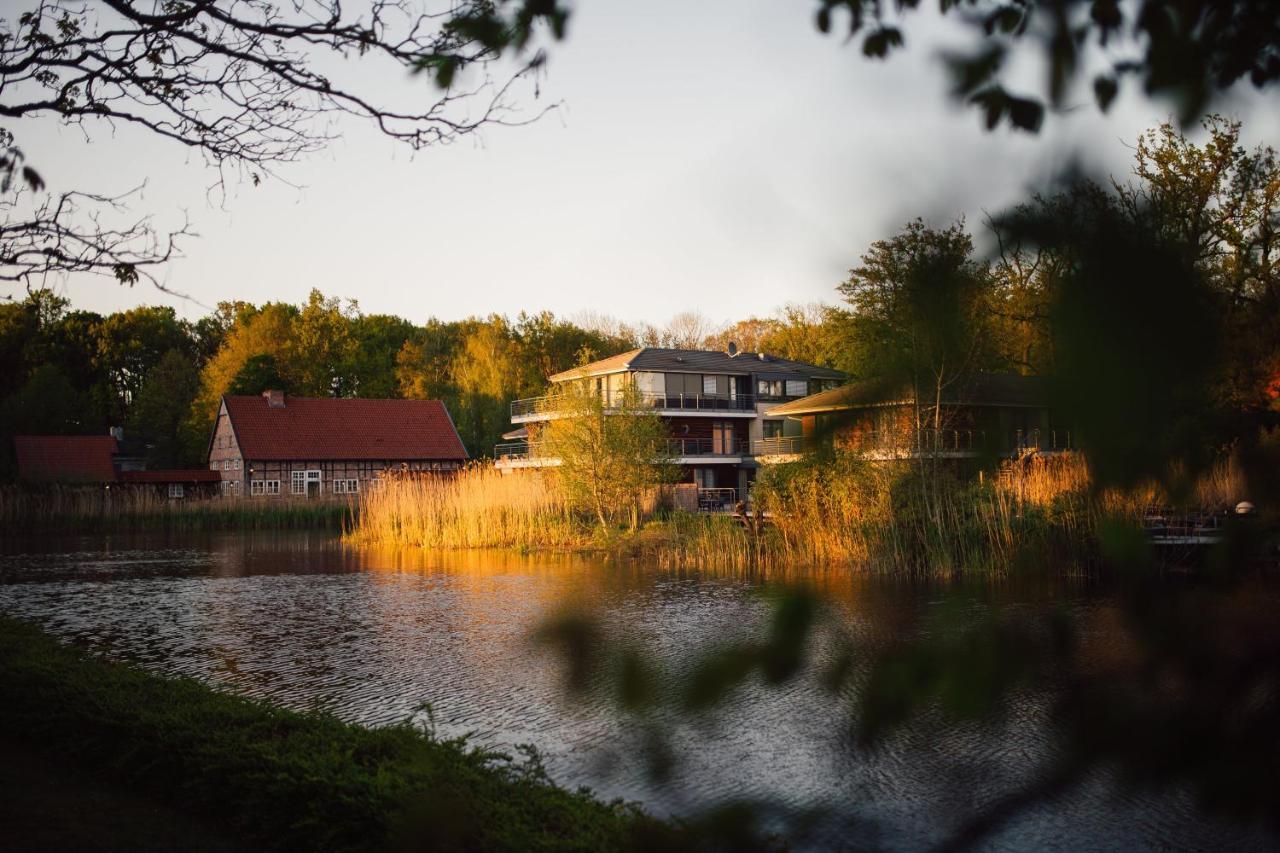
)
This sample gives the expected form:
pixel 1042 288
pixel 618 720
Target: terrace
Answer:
pixel 548 407
pixel 681 450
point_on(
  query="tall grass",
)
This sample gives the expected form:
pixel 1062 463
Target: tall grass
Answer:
pixel 900 517
pixel 480 507
pixel 93 508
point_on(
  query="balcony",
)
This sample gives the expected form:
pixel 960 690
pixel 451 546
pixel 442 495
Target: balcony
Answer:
pixel 521 455
pixel 791 445
pixel 545 408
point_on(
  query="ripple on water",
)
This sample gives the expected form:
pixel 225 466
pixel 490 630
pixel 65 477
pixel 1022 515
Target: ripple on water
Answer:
pixel 375 637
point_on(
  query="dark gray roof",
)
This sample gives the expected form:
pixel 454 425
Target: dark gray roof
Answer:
pixel 983 389
pixel 660 360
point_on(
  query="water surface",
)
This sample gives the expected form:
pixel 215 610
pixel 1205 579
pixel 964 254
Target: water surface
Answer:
pixel 381 636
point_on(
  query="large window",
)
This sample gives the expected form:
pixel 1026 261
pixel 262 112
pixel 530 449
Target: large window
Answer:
pixel 772 429
pixel 175 490
pixel 298 481
pixel 770 388
pixel 346 487
pixel 797 387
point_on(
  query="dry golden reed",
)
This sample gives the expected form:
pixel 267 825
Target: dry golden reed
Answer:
pixel 479 507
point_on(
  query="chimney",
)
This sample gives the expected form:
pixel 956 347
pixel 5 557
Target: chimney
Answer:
pixel 275 398
pixel 732 349
pixel 762 356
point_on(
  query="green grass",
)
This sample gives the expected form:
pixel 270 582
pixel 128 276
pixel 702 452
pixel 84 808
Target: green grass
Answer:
pixel 286 780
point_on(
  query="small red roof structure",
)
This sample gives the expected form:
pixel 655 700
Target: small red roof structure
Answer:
pixel 65 458
pixel 275 426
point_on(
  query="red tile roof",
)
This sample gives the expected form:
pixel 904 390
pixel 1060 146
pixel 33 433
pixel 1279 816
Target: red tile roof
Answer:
pixel 173 475
pixel 318 428
pixel 65 458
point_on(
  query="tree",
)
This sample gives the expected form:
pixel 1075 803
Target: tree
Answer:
pixel 423 363
pixel 160 409
pixel 485 370
pixel 1220 206
pixel 322 348
pixel 264 331
pixel 922 301
pixel 259 373
pixel 611 456
pixel 378 340
pixel 249 85
pixel 46 404
pixel 131 343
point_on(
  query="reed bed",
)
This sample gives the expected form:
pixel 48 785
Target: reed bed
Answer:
pixel 93 508
pixel 904 517
pixel 479 507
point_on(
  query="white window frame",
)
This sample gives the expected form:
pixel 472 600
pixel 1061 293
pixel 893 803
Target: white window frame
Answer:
pixel 235 463
pixel 346 486
pixel 257 487
pixel 175 490
pixel 298 480
pixel 213 466
pixel 272 487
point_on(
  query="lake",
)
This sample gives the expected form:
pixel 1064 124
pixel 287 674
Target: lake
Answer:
pixel 378 636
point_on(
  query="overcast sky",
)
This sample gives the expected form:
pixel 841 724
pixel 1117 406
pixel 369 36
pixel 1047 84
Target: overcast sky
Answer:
pixel 720 156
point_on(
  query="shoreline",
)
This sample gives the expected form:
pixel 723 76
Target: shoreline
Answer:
pixel 288 780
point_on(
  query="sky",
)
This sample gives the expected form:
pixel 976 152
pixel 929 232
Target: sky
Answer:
pixel 721 156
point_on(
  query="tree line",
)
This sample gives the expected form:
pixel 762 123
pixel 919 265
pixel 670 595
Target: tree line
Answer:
pixel 924 306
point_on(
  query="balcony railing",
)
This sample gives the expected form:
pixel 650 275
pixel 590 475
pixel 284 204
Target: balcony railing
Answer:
pixel 555 403
pixel 679 447
pixel 511 450
pixel 675 447
pixel 779 445
pixel 717 500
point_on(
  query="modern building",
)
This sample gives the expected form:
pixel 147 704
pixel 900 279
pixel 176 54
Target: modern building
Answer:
pixel 277 444
pixel 713 403
pixel 985 414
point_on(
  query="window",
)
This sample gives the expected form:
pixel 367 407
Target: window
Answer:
pixel 797 387
pixel 213 466
pixel 346 487
pixel 298 482
pixel 708 385
pixel 272 486
pixel 175 490
pixel 772 429
pixel 769 388
pixel 256 487
pixel 235 463
pixel 226 464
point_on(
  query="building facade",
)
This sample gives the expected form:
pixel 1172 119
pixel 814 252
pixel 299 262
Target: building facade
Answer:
pixel 277 445
pixel 983 415
pixel 714 405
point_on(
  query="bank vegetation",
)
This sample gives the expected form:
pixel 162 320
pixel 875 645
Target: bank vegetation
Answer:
pixel 825 510
pixel 284 780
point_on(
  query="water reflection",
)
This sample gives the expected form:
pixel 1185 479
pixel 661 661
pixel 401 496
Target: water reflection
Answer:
pixel 377 635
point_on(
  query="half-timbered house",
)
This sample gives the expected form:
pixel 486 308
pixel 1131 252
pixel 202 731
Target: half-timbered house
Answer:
pixel 277 444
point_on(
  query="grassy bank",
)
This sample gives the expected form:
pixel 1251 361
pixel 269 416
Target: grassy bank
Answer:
pixel 94 509
pixel 284 780
pixel 893 517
